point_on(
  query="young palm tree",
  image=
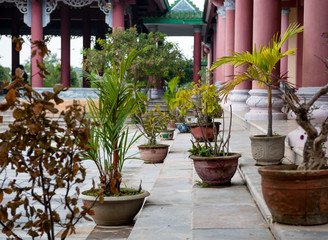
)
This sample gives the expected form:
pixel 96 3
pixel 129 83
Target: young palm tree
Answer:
pixel 261 63
pixel 109 142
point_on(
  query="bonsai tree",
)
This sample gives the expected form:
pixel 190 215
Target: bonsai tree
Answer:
pixel 46 154
pixel 109 143
pixel 260 65
pixel 204 101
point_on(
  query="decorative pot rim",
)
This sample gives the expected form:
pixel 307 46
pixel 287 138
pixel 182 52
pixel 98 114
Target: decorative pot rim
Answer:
pixel 203 124
pixel 231 155
pixel 290 171
pixel 153 147
pixel 143 194
pixel 266 137
pixel 167 130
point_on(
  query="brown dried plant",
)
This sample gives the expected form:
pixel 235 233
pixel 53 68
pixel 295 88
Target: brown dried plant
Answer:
pixel 46 154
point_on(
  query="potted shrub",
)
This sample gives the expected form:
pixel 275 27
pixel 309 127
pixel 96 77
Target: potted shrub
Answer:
pixel 151 123
pixel 266 149
pixel 109 145
pixel 202 99
pixel 213 162
pixel 298 194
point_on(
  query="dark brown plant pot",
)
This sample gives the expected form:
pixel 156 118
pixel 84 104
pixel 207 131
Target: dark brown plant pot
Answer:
pixel 295 197
pixel 154 154
pixel 196 131
pixel 216 170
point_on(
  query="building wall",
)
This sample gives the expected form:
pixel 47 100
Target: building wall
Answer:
pixel 291 45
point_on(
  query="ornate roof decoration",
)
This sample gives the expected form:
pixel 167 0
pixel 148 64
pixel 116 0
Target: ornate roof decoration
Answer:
pixel 181 12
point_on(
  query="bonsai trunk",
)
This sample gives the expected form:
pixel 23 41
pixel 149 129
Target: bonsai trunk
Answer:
pixel 269 133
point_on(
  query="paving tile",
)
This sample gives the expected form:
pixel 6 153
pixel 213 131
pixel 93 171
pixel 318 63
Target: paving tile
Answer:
pixel 233 234
pixel 233 215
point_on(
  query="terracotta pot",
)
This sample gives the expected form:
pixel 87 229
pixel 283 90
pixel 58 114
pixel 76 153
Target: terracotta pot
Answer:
pixel 209 132
pixel 295 197
pixel 166 134
pixel 116 210
pixel 268 150
pixel 183 128
pixel 154 154
pixel 216 170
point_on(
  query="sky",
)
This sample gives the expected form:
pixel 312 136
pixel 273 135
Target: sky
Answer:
pixel 186 45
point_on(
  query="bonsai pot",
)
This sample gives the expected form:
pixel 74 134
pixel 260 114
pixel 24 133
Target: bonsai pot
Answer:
pixel 196 131
pixel 295 197
pixel 154 154
pixel 216 170
pixel 268 150
pixel 115 210
pixel 183 128
pixel 166 134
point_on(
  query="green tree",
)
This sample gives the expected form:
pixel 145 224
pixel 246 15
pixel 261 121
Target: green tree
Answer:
pixel 53 66
pixel 162 59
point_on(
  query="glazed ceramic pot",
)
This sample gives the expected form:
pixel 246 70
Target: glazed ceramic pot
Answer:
pixel 216 170
pixel 167 134
pixel 154 154
pixel 183 128
pixel 295 197
pixel 115 210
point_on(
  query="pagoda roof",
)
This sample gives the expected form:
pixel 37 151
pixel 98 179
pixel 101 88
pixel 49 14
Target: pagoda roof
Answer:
pixel 181 12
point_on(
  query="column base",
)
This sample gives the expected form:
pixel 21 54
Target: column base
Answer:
pixel 238 98
pixel 258 103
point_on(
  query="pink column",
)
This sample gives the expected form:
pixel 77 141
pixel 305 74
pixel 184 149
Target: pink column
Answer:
pixel 197 52
pixel 299 46
pixel 243 42
pixel 214 47
pixel 14 33
pixel 315 23
pixel 267 23
pixel 65 45
pixel 230 35
pixel 36 35
pixel 118 14
pixel 86 39
pixel 220 50
pixel 243 33
pixel 284 48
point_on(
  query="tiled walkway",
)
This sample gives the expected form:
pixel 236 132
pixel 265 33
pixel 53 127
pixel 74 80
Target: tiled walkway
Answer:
pixel 180 209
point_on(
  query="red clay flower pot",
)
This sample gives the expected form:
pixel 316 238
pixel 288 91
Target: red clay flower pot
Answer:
pixel 154 154
pixel 295 197
pixel 196 131
pixel 216 170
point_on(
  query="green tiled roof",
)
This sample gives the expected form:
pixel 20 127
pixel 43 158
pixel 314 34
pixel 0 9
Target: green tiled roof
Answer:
pixel 181 12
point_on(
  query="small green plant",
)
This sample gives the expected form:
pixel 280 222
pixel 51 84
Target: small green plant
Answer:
pixel 109 142
pixel 151 122
pixel 201 184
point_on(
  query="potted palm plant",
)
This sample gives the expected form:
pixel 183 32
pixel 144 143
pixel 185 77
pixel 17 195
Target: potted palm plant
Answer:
pixel 213 161
pixel 150 123
pixel 298 194
pixel 109 145
pixel 266 149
